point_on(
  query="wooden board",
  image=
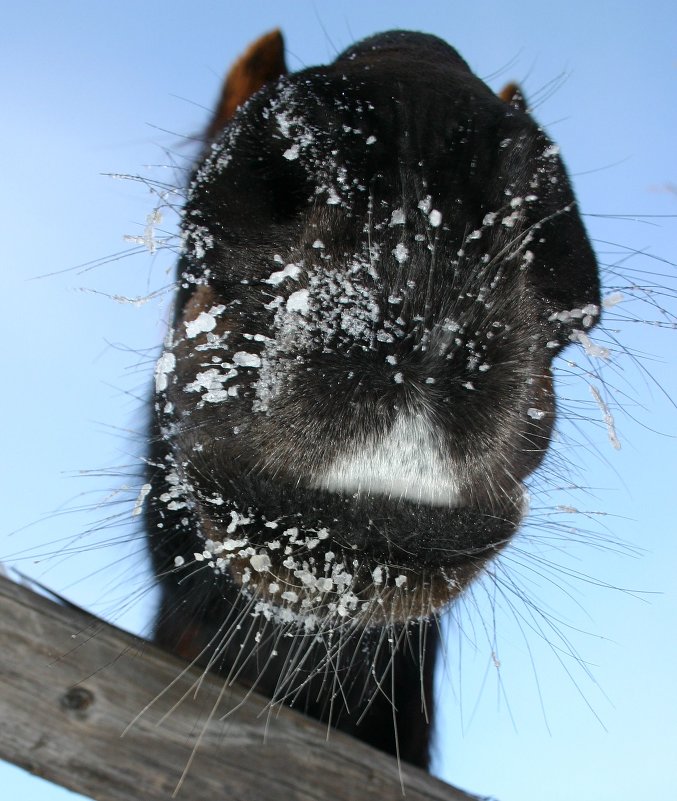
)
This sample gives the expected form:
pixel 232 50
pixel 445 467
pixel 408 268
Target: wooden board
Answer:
pixel 71 685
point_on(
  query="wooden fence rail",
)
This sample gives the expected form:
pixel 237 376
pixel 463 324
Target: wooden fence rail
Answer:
pixel 70 685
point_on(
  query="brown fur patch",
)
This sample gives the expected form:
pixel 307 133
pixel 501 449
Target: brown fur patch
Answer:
pixel 513 95
pixel 261 63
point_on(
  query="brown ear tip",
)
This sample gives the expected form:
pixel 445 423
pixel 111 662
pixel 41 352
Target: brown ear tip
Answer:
pixel 513 95
pixel 272 40
pixel 262 62
pixel 275 34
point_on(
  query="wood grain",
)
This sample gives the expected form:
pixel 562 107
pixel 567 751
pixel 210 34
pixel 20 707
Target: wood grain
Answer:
pixel 71 685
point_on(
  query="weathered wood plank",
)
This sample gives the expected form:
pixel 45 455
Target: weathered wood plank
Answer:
pixel 70 685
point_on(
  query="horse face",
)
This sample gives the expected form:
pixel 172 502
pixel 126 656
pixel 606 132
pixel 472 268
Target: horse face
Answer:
pixel 381 259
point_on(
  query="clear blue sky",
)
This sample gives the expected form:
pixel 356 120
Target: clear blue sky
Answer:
pixel 93 88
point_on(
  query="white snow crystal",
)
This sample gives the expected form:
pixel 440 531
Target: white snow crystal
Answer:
pixel 425 204
pixel 590 348
pixel 202 323
pixel 401 253
pixel 138 506
pixel 244 359
pixel 608 418
pixel 148 239
pixel 613 299
pixel 397 217
pixel 260 562
pixel 298 301
pixel 165 365
pixel 511 220
pixel 535 414
pixel 290 271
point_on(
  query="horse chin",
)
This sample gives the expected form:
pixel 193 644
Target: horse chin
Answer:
pixel 318 559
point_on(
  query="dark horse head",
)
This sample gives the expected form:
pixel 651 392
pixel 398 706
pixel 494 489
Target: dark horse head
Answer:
pixel 381 258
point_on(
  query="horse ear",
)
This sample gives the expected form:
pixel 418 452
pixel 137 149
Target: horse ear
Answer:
pixel 261 63
pixel 513 95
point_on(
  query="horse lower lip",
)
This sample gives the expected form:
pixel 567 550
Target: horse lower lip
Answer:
pixel 378 528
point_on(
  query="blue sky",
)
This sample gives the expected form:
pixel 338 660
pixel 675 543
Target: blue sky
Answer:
pixel 99 89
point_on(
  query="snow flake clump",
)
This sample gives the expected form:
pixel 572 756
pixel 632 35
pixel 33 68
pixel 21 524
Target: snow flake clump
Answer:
pixel 591 349
pixel 298 301
pixel 164 367
pixel 204 322
pixel 244 359
pixel 398 217
pixel 290 271
pixel 401 253
pixel 260 562
pixel 535 414
pixel 143 493
pixel 435 218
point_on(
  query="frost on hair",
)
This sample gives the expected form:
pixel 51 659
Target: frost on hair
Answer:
pixel 381 263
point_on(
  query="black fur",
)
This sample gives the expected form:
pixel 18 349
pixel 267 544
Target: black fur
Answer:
pixel 438 264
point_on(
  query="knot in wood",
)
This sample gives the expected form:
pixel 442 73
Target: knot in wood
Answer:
pixel 77 701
